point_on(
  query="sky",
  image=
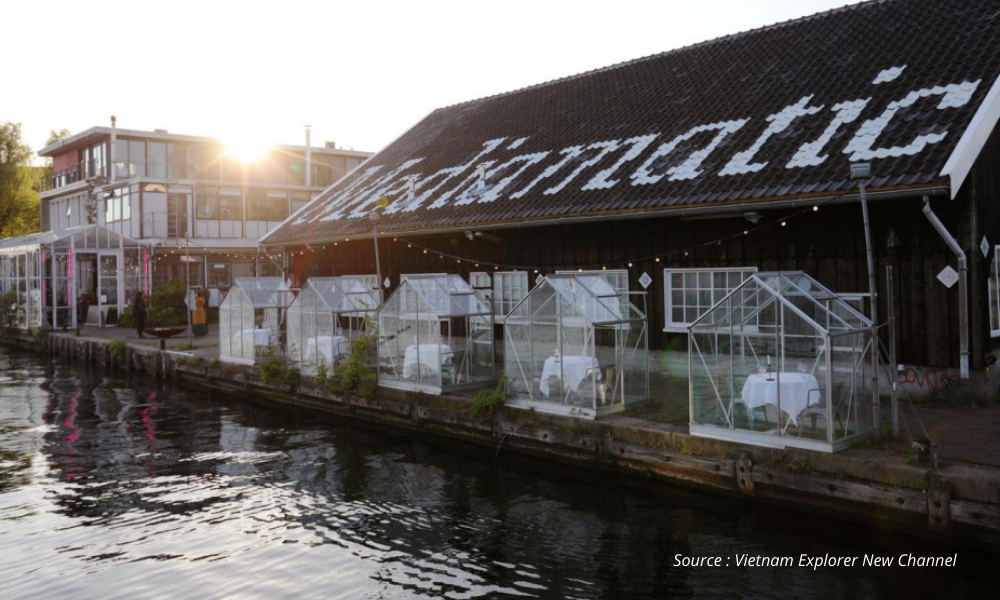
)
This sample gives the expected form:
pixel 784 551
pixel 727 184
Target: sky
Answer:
pixel 360 73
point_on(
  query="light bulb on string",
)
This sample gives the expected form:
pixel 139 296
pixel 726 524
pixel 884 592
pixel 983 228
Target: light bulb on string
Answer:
pixel 657 259
pixel 815 208
pixel 783 223
pixel 630 265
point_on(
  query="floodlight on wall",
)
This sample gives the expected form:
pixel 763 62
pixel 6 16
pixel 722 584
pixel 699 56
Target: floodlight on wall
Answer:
pixel 752 216
pixel 861 171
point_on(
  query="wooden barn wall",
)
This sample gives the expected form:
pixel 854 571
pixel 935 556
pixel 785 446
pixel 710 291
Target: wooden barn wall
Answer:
pixel 983 185
pixel 828 244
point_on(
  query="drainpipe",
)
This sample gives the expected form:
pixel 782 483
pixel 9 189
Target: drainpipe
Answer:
pixel 963 286
pixel 308 156
pixel 114 150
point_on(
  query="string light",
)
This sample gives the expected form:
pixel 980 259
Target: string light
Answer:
pixel 658 258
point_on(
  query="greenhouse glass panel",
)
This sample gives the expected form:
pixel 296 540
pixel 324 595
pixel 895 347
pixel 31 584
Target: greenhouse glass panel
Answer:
pixel 575 345
pixel 435 335
pixel 250 319
pixel 782 361
pixel 327 316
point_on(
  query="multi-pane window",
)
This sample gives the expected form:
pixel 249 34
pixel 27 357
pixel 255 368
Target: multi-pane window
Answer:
pixel 219 275
pixel 509 288
pixel 226 205
pixel 480 280
pixel 117 206
pixel 618 278
pixel 263 205
pixel 691 292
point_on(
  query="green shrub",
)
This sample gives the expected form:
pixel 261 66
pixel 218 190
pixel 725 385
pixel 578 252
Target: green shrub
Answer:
pixel 321 372
pixel 274 370
pixel 117 348
pixel 487 402
pixel 127 319
pixel 166 305
pixel 356 375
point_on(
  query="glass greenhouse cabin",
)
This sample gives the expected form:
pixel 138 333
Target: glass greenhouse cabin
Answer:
pixel 250 319
pixel 435 335
pixel 51 272
pixel 327 315
pixel 576 345
pixel 782 361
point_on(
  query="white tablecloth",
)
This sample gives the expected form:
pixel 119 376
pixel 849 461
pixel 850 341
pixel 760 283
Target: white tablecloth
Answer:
pixel 260 337
pixel 795 392
pixel 571 369
pixel 330 346
pixel 431 356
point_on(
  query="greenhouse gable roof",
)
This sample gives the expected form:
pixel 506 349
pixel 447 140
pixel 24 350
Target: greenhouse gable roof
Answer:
pixel 774 114
pixel 796 290
pixel 84 237
pixel 594 298
pixel 446 295
pixel 344 294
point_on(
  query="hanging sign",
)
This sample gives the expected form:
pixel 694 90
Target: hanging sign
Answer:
pixel 645 280
pixel 948 276
pixel 984 247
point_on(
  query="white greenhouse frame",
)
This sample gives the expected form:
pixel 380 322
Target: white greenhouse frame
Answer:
pixel 576 345
pixel 250 319
pixel 435 336
pixel 782 362
pixel 325 318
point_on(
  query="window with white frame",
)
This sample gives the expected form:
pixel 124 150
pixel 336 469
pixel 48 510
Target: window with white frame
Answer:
pixel 618 278
pixel 691 292
pixel 994 293
pixel 509 288
pixel 480 280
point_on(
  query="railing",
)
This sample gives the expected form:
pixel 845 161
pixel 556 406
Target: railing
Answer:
pixel 92 168
pixel 78 172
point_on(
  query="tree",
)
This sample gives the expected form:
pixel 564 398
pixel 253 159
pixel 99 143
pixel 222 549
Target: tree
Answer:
pixel 19 208
pixel 55 136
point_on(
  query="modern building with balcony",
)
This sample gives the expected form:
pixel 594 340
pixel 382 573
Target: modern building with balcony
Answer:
pixel 197 208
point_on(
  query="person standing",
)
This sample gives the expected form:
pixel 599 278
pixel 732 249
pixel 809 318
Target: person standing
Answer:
pixel 139 313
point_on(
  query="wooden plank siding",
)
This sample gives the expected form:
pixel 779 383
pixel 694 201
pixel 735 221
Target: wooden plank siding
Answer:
pixel 828 244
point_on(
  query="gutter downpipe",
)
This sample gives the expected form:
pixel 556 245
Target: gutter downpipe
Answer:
pixel 873 291
pixel 114 150
pixel 963 286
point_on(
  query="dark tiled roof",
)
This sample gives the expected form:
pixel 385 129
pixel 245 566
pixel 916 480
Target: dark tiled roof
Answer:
pixel 892 82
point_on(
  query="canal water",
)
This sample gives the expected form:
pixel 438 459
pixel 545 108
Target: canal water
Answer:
pixel 140 489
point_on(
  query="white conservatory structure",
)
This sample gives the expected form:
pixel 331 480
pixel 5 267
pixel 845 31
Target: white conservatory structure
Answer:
pixel 782 362
pixel 250 319
pixel 327 315
pixel 435 335
pixel 576 345
pixel 75 276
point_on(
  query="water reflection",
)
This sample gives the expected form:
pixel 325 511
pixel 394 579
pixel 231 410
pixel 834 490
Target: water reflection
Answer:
pixel 135 489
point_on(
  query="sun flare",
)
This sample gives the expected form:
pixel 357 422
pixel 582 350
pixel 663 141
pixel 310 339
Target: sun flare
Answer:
pixel 247 149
